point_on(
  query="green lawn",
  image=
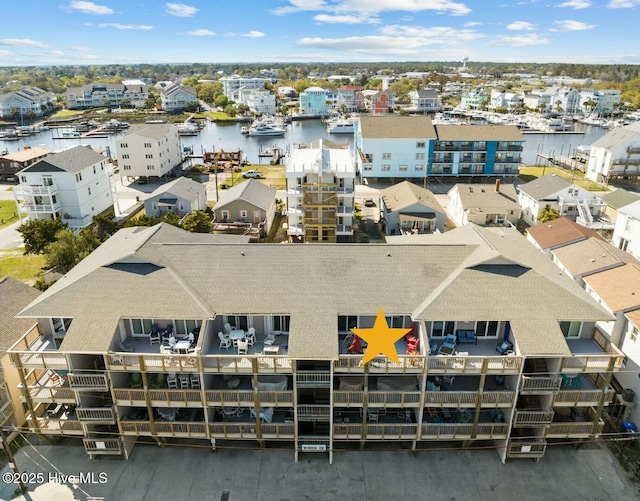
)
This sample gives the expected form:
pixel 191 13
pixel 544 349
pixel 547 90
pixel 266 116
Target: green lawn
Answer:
pixel 24 268
pixel 8 213
pixel 218 115
pixel 65 114
pixel 531 172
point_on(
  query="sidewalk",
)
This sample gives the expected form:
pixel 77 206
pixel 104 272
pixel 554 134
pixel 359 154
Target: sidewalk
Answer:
pixel 9 236
pixel 183 473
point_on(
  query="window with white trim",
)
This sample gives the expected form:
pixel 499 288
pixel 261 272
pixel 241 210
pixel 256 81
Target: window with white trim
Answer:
pixel 403 168
pixel 280 323
pixel 419 167
pixel 243 213
pixel 634 334
pixel 386 168
pixel 442 329
pixel 386 156
pixel 571 329
pixel 346 322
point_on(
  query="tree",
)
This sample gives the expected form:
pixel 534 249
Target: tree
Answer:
pixel 69 249
pixel 230 110
pixel 38 233
pixel 197 222
pixel 221 101
pixel 546 215
pixel 589 105
pixel 104 226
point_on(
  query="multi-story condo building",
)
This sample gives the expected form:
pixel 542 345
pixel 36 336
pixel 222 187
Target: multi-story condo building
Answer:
pixel 393 146
pixel 313 102
pixel 320 192
pixel 350 99
pixel 476 150
pixel 383 102
pixel 503 99
pixel 101 94
pixel 259 101
pixel 73 184
pixel 563 99
pixel 177 97
pixel 615 155
pixel 626 234
pixel 25 102
pixel 232 84
pixel 424 101
pixel 149 150
pixel 522 367
pixel 599 102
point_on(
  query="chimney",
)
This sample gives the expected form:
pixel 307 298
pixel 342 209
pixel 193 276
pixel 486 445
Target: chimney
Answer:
pixel 497 186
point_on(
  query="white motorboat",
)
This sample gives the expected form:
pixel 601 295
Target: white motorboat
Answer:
pixel 341 126
pixel 266 129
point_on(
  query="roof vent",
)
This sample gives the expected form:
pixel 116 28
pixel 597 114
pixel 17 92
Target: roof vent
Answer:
pixel 593 260
pixel 388 255
pixel 242 253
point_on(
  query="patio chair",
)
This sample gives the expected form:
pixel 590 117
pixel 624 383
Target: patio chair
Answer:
pixel 448 379
pixel 169 330
pixel 504 347
pixel 450 342
pixel 231 411
pixel 172 380
pixel 126 347
pixel 184 381
pixel 251 336
pixel 269 340
pixel 158 381
pixel 136 380
pixel 154 335
pixel 225 342
pixel 194 379
pixel 466 416
pixel 243 347
pixel 227 328
pixel 165 350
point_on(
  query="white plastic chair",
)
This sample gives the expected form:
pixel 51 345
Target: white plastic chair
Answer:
pixel 172 380
pixel 195 380
pixel 227 328
pixel 269 340
pixel 225 342
pixel 243 347
pixel 184 380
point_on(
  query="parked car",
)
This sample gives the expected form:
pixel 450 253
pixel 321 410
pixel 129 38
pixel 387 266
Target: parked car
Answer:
pixel 252 174
pixel 368 202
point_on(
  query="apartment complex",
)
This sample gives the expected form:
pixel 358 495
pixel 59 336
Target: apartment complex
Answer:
pixel 320 192
pixel 616 155
pixel 231 84
pixel 26 102
pixel 412 147
pixel 73 184
pixel 149 150
pixel 101 94
pixel 523 367
pixel 177 97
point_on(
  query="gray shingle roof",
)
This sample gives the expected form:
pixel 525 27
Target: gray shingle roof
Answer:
pixel 404 194
pixel 392 127
pixel 619 198
pixel 251 191
pixel 183 187
pixel 72 160
pixel 479 133
pixel 162 272
pixel 477 198
pixel 545 186
pixel 619 136
pixel 14 296
pixel 152 131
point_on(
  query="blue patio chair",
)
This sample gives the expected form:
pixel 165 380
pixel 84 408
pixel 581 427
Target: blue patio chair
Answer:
pixel 450 342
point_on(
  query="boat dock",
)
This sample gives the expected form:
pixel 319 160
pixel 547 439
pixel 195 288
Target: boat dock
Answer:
pixel 275 153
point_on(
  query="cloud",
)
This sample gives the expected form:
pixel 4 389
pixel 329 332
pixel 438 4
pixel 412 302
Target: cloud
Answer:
pixel 520 40
pixel 346 19
pixel 180 10
pixel 574 25
pixel 201 32
pixel 437 34
pixel 119 26
pixel 372 7
pixel 78 48
pixel 521 26
pixel 623 4
pixel 54 53
pixel 253 34
pixel 471 24
pixel 4 53
pixel 575 4
pixel 24 42
pixel 90 8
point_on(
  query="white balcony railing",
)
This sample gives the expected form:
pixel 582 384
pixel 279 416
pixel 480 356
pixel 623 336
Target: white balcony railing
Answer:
pixel 313 378
pixel 103 446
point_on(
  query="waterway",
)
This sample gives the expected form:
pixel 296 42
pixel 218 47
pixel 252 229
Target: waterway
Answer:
pixel 229 138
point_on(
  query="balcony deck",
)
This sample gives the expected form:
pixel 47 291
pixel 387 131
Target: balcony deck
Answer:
pixel 590 355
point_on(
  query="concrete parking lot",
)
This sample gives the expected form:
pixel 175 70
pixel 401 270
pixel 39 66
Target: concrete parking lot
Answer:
pixel 181 473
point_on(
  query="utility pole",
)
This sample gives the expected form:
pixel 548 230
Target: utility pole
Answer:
pixel 22 488
pixel 215 167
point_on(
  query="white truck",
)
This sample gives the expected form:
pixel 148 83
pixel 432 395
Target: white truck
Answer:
pixel 252 174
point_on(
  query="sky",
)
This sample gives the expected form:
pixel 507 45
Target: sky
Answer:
pixel 48 32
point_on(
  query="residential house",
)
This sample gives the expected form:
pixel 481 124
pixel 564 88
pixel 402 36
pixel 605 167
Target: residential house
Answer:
pixel 616 199
pixel 484 205
pixel 259 101
pixel 626 234
pixel 350 99
pixel 616 155
pixel 26 102
pixel 12 163
pixel 618 291
pixel 558 233
pixel 111 95
pixel 409 208
pixel 181 196
pixel 382 102
pixel 503 99
pixel 393 146
pixel 424 101
pixel 320 192
pixel 555 192
pixel 233 83
pixel 73 184
pixel 251 204
pixel 313 102
pixel 14 296
pixel 178 98
pixel 537 102
pixel 476 150
pixel 475 99
pixel 148 150
pixel 293 382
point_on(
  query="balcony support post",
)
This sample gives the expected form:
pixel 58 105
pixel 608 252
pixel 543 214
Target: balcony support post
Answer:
pixel 603 397
pixel 147 399
pixel 483 376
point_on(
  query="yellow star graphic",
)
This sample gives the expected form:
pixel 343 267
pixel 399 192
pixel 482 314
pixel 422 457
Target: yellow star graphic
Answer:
pixel 380 339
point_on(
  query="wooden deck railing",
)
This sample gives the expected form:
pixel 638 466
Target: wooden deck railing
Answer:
pixel 131 362
pixel 92 382
pixel 445 431
pixel 59 394
pixel 64 427
pixel 43 359
pixel 313 378
pixel 232 430
pixel 126 396
pixel 108 446
pixel 238 398
pixel 277 431
pixel 172 398
pixel 492 430
pixel 142 428
pixel 348 398
pixel 582 363
pixel 351 431
pixel 571 398
pixel 526 448
pixel 537 385
pixel 276 398
pixel 394 399
pixel 474 365
pixel 572 430
pixel 96 415
pixel 181 429
pixel 392 431
pixel 469 398
pixel 409 364
pixel 530 418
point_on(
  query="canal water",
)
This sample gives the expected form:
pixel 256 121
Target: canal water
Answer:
pixel 216 136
